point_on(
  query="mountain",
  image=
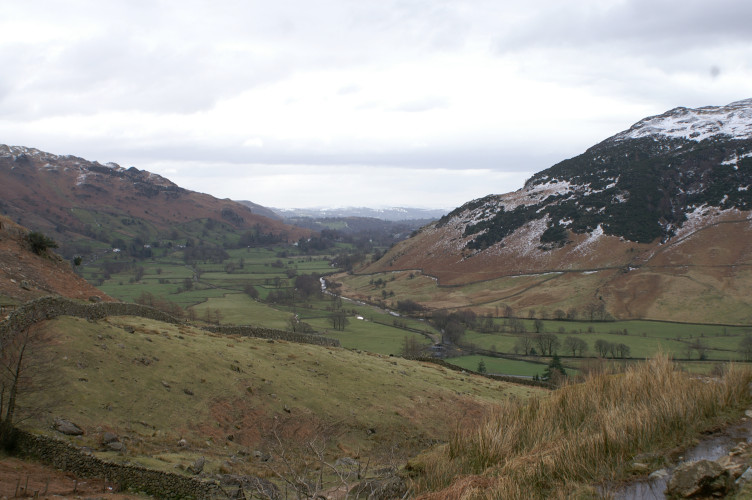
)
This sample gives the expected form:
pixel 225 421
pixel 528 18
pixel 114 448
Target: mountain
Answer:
pixel 260 209
pixel 84 204
pixel 389 214
pixel 25 275
pixel 654 222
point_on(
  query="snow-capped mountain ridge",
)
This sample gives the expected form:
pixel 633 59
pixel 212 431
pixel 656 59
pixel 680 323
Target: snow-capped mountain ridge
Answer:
pixel 638 185
pixel 733 121
pixel 655 222
pixel 87 169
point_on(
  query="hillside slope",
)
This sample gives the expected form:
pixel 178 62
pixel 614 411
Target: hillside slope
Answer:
pixel 25 275
pixel 240 395
pixel 75 200
pixel 654 222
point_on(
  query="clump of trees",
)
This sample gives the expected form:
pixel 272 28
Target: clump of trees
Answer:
pixel 615 350
pixel 204 253
pixel 339 319
pixel 411 347
pixel 576 346
pixel 39 242
pixel 453 325
pixel 409 306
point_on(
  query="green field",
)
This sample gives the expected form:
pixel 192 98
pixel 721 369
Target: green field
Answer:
pixel 644 338
pixel 214 291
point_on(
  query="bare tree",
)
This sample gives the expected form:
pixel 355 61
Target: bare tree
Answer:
pixel 575 345
pixel 548 343
pixel 539 326
pixel 603 347
pixel 622 350
pixel 339 319
pixel 411 347
pixel 524 344
pixel 302 468
pixel 701 347
pixel 24 368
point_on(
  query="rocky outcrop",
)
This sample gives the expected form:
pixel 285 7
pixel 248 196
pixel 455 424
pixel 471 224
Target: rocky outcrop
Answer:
pixel 706 478
pixel 67 427
pixel 703 478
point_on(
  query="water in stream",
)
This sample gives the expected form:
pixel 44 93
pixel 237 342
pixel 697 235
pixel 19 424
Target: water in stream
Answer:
pixel 712 447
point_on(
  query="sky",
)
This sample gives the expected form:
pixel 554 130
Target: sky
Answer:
pixel 332 103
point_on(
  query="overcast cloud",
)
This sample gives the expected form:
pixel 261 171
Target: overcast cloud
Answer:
pixel 298 103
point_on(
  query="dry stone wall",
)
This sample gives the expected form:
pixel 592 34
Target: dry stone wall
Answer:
pixel 62 455
pixel 503 378
pixel 51 307
pixel 268 333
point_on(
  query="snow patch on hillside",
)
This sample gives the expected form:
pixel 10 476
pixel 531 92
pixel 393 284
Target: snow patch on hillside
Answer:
pixel 734 159
pixel 585 246
pixel 702 216
pixel 530 195
pixel 524 241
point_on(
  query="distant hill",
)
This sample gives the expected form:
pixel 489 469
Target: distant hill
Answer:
pixel 390 214
pixel 260 210
pixel 396 230
pixel 653 222
pixel 86 205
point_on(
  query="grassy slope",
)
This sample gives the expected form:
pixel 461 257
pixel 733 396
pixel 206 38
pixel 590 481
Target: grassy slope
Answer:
pixel 583 434
pixel 698 295
pixel 244 388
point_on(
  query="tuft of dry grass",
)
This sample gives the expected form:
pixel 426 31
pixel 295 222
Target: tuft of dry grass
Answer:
pixel 583 433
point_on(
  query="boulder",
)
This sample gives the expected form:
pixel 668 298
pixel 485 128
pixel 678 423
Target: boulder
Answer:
pixel 67 427
pixel 115 446
pixel 109 437
pixel 701 478
pixel 198 466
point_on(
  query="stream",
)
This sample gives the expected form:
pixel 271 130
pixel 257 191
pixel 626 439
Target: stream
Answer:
pixel 711 447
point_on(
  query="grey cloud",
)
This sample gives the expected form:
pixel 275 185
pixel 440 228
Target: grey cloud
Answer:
pixel 657 25
pixel 114 73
